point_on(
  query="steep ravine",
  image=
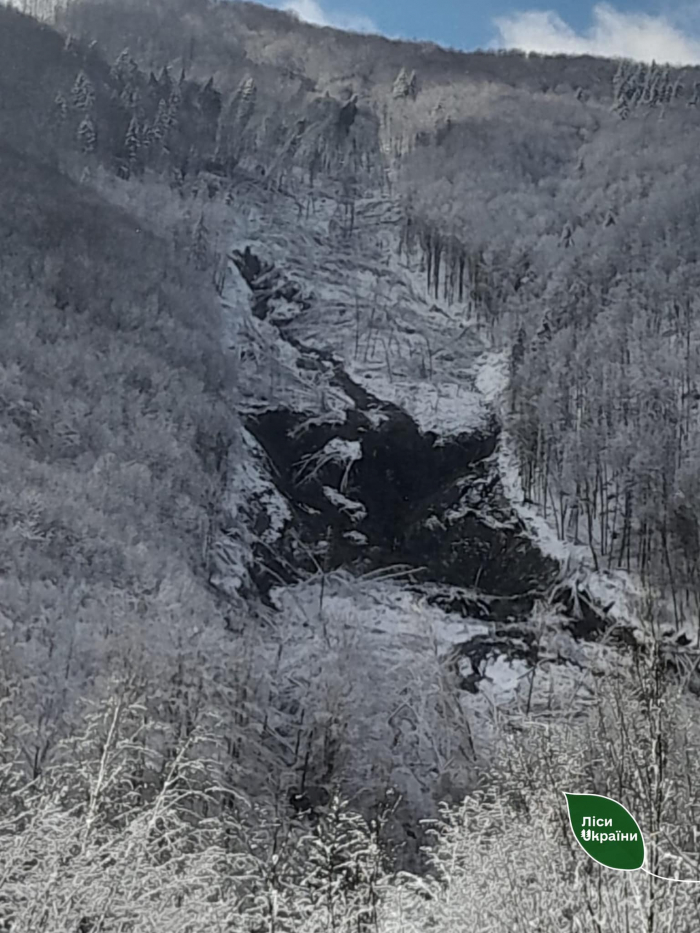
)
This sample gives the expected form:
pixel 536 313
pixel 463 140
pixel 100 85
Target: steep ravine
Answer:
pixel 369 490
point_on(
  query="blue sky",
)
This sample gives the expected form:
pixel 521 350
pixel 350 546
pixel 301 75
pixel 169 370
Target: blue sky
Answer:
pixel 667 30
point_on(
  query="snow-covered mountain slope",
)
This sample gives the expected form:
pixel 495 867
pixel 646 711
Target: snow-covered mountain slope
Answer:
pixel 371 484
pixel 354 300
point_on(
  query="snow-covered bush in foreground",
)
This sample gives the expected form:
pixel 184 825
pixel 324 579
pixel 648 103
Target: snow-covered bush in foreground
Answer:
pixel 129 832
pixel 132 828
pixel 506 860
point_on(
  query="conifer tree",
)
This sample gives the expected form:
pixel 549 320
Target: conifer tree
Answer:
pixel 342 870
pixel 159 129
pixel 165 82
pixel 153 93
pixel 123 66
pixel 405 84
pixel 649 93
pixel 623 108
pixel 665 86
pixel 60 109
pixel 620 79
pixel 173 111
pixel 638 82
pixel 59 116
pixel 247 95
pixel 87 135
pixel 130 97
pixel 82 93
pixel 209 105
pixel 132 142
pixel 518 349
pixel 400 88
pixel 177 180
pixel 199 250
pixel 567 236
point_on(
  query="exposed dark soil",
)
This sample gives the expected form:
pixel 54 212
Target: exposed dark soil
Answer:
pixel 438 509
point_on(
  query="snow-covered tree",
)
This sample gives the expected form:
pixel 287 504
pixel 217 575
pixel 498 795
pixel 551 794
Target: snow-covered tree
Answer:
pixel 165 82
pixel 623 108
pixel 132 141
pixel 173 110
pixel 158 131
pixel 566 238
pixel 82 92
pixel 638 82
pixel 87 135
pixel 60 109
pixel 404 84
pixel 620 78
pixel 177 180
pixel 341 884
pixel 124 67
pixel 130 97
pixel 209 101
pixel 400 87
pixel 247 96
pixel 200 249
pixel 666 87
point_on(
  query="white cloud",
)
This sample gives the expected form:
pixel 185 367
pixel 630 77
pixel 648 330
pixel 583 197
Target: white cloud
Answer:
pixel 612 34
pixel 312 12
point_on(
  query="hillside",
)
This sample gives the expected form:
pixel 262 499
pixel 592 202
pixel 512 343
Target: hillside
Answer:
pixel 223 39
pixel 349 501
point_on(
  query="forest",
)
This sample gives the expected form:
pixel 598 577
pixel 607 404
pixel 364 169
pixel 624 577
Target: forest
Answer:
pixel 296 750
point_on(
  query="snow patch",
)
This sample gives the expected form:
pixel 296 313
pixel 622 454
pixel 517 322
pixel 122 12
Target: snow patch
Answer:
pixel 356 537
pixel 445 408
pixel 492 376
pixel 337 450
pixel 393 617
pixel 356 510
pixel 252 510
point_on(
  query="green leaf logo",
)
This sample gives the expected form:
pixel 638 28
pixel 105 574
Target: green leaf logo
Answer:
pixel 606 831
